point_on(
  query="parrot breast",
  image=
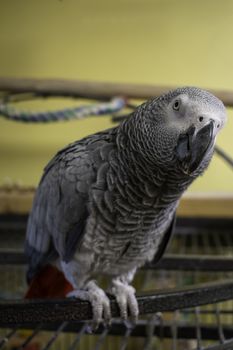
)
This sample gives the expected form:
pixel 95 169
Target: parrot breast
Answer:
pixel 129 238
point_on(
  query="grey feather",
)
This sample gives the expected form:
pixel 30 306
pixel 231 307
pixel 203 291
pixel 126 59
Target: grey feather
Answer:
pixel 107 202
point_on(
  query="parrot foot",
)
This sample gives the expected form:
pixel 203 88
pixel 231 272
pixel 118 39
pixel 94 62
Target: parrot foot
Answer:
pixel 99 301
pixel 125 297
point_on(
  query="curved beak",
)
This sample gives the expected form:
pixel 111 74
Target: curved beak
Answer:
pixel 192 147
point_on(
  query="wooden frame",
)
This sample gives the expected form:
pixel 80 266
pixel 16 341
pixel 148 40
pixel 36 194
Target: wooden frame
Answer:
pixel 95 90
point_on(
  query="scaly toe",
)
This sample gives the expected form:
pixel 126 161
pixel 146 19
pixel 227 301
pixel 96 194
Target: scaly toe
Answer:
pixel 99 301
pixel 126 300
pixel 133 307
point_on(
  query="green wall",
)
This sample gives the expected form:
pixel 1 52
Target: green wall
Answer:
pixel 166 42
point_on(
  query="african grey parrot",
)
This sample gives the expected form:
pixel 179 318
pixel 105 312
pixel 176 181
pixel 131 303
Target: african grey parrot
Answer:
pixel 106 204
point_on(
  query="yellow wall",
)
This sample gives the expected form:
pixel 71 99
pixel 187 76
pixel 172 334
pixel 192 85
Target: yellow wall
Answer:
pixel 180 42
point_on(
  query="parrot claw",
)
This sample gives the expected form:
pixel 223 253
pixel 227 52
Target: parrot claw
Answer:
pixel 125 297
pixel 99 301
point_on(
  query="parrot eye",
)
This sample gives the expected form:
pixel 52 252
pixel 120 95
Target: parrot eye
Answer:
pixel 176 105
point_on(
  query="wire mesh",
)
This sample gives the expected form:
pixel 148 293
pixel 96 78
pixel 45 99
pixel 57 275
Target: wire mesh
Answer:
pixel 200 252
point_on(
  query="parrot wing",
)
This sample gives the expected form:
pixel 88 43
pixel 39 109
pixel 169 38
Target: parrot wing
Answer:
pixel 59 212
pixel 60 209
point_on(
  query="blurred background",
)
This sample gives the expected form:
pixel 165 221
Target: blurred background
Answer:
pixel 163 42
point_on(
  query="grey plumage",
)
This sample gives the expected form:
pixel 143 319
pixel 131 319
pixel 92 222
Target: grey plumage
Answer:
pixel 106 203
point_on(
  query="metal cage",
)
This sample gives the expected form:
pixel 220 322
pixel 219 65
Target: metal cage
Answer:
pixel 185 301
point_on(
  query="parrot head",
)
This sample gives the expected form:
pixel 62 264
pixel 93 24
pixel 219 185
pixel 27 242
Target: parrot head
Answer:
pixel 179 129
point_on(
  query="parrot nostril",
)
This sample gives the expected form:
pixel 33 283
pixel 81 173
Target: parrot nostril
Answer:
pixel 201 119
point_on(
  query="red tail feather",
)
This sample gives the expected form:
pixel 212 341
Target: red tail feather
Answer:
pixel 48 283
